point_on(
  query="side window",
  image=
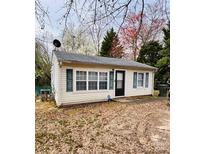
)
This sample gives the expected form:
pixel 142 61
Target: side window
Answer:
pixel 69 80
pixel 135 80
pixel 81 80
pixel 102 80
pixel 111 80
pixel 140 80
pixel 146 80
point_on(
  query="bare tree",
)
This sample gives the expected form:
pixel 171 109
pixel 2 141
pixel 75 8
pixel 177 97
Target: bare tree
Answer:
pixel 41 14
pixel 42 64
pixel 77 42
pixel 96 32
pixel 154 21
pixel 92 11
pixel 95 16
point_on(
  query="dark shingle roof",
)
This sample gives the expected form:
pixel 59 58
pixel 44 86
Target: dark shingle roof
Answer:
pixel 65 56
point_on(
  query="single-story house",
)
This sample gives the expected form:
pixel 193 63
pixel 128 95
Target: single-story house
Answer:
pixel 77 78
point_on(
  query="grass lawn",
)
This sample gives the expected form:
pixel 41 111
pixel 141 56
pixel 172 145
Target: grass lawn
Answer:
pixel 137 126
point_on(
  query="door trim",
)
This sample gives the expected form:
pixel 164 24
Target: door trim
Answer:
pixel 123 91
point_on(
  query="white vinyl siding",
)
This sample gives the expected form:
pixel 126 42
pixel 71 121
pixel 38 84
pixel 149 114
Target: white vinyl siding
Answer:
pixel 56 79
pixel 85 96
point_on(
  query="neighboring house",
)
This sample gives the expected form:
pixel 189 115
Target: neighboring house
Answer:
pixel 78 78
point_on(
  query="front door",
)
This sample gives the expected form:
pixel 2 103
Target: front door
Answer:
pixel 120 83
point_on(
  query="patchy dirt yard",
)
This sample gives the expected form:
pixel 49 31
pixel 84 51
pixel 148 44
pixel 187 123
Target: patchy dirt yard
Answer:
pixel 133 125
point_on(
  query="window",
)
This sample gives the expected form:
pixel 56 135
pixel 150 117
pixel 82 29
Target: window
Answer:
pixel 140 81
pixel 89 81
pixel 103 80
pixel 135 80
pixel 81 80
pixel 92 80
pixel 119 80
pixel 146 80
pixel 69 80
pixel 111 80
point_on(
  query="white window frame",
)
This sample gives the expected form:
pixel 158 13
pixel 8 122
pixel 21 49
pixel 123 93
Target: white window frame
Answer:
pixel 144 80
pixel 140 79
pixel 92 80
pixel 86 80
pixel 103 80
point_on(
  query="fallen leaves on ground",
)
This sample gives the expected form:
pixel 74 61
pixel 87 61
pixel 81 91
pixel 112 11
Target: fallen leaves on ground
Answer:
pixel 137 126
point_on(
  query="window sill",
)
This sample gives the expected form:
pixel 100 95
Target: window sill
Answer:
pixel 140 88
pixel 91 91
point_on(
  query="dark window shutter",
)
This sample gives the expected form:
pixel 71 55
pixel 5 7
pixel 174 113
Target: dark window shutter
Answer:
pixel 147 80
pixel 69 80
pixel 111 80
pixel 135 80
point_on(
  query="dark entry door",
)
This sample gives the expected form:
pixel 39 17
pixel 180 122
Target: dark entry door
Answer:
pixel 120 83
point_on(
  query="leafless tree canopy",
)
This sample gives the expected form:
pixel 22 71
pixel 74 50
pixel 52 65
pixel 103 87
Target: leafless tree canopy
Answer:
pixel 41 13
pixel 77 42
pixel 42 64
pixel 90 12
pixel 94 17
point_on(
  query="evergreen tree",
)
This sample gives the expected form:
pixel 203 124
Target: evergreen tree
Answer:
pixel 107 43
pixel 163 64
pixel 150 53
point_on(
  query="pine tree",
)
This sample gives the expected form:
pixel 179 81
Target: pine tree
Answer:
pixel 150 53
pixel 107 43
pixel 163 73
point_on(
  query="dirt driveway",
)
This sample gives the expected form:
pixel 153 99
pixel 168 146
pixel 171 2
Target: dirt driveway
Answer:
pixel 134 125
